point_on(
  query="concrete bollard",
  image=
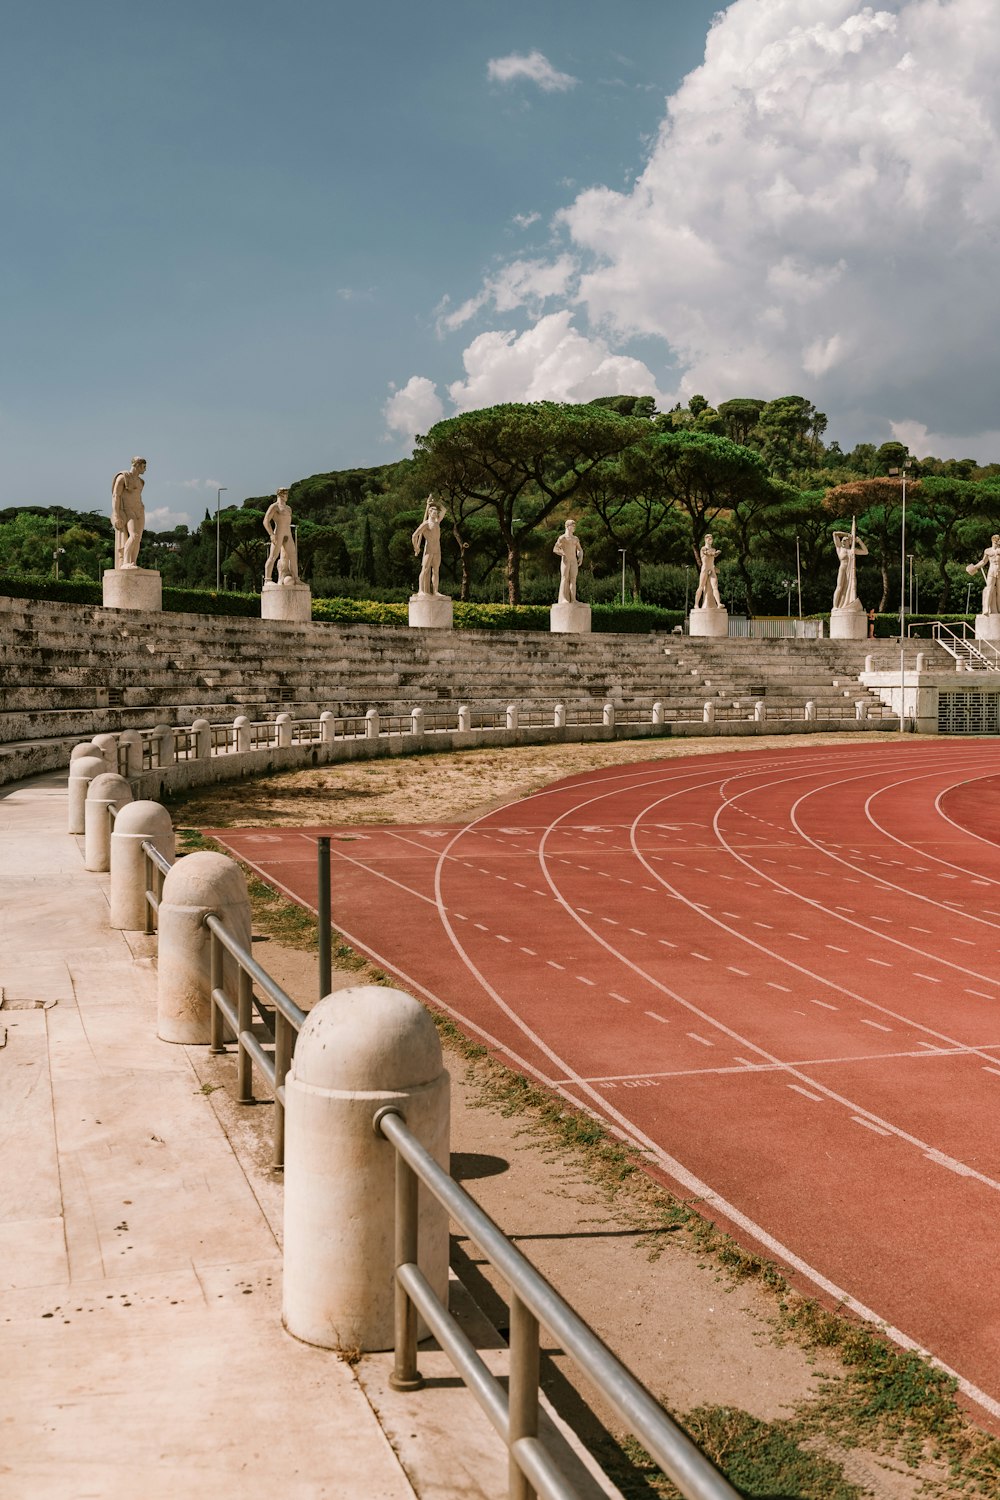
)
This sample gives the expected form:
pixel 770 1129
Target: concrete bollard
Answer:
pixel 373 727
pixel 283 724
pixel 464 718
pixel 166 745
pixel 559 716
pixel 810 712
pixel 658 716
pixel 107 745
pixel 85 748
pixel 759 711
pixel 869 663
pixel 104 792
pixel 861 708
pixel 130 741
pixel 202 731
pixel 135 823
pixel 511 715
pixel 81 773
pixel 416 721
pixel 327 726
pixel 708 713
pixel 921 661
pixel 359 1051
pixel 200 885
pixel 608 716
pixel 242 726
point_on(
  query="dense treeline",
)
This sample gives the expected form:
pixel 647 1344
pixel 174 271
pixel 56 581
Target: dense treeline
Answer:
pixel 644 486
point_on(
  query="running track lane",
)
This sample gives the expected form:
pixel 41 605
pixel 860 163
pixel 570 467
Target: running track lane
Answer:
pixel 774 971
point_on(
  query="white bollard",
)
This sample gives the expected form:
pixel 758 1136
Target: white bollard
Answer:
pixel 200 885
pixel 921 661
pixel 559 716
pixel 81 773
pixel 85 748
pixel 869 663
pixel 608 716
pixel 202 731
pixel 861 708
pixel 327 726
pixel 708 713
pixel 283 724
pixel 166 745
pixel 373 727
pixel 107 745
pixel 138 822
pixel 759 711
pixel 242 726
pixel 130 741
pixel 104 792
pixel 810 712
pixel 511 715
pixel 359 1051
pixel 464 718
pixel 658 716
pixel 416 721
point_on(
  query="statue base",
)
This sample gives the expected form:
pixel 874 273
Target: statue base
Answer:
pixel 569 619
pixel 849 623
pixel 431 612
pixel 133 588
pixel 988 627
pixel 713 622
pixel 286 601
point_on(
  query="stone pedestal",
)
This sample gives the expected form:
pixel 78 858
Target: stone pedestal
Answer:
pixel 849 623
pixel 132 588
pixel 569 619
pixel 286 601
pixel 714 622
pixel 430 612
pixel 988 628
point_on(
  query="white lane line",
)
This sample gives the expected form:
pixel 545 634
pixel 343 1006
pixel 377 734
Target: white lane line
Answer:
pixel 773 985
pixel 553 965
pixel 929 977
pixel 873 918
pixel 638 931
pixel 703 956
pixel 500 937
pixel 703 1040
pixel 520 885
pixel 662 1019
pixel 610 921
pixel 621 998
pixel 882 963
pixel 991 1070
pixel 929 1046
pixel 941 1160
pixel 824 1003
pixel 876 1024
pixel 665 943
pixel 764 924
pixel 530 952
pixel 480 926
pixel 981 995
pixel 967 941
pixel 834 949
pixel 743 973
pixel 920 929
pixel 746 1063
pixel 870 1125
pixel 734 915
pixel 799 936
pixel 584 980
pixel 806 1094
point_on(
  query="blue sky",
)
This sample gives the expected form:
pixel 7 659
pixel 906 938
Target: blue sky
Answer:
pixel 253 242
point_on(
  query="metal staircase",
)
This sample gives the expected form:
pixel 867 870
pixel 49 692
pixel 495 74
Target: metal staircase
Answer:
pixel 973 655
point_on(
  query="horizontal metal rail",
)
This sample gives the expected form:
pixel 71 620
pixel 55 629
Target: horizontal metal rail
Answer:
pixel 533 1302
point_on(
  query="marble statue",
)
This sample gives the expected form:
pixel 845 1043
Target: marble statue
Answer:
pixel 991 578
pixel 849 548
pixel 707 595
pixel 128 514
pixel 429 532
pixel 278 525
pixel 569 551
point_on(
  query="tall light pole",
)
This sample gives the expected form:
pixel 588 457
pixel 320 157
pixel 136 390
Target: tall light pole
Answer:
pixel 787 584
pixel 909 559
pixel 901 472
pixel 798 573
pixel 623 550
pixel 218 548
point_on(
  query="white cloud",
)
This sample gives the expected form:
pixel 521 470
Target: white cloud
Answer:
pixel 534 67
pixel 414 408
pixel 162 518
pixel 984 447
pixel 550 362
pixel 198 484
pixel 524 221
pixel 520 282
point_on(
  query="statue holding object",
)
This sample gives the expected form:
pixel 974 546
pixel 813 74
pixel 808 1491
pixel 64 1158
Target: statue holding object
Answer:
pixel 429 532
pixel 849 548
pixel 991 577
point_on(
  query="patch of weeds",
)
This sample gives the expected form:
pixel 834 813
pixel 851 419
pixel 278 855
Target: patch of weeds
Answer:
pixel 188 840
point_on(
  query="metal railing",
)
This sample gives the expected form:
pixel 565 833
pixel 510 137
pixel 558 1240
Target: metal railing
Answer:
pixel 961 643
pixel 534 1303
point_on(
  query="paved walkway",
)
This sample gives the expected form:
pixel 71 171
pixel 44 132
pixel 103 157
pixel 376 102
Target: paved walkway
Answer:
pixel 141 1349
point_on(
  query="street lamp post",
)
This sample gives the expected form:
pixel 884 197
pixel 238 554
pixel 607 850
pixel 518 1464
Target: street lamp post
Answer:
pixel 687 582
pixel 623 550
pixel 218 547
pixel 787 584
pixel 901 472
pixel 909 559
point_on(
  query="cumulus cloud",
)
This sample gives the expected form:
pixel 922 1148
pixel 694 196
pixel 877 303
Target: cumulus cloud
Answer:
pixel 414 408
pixel 550 362
pixel 524 221
pixel 518 283
pixel 534 67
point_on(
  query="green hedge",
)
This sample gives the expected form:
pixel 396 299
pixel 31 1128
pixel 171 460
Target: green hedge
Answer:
pixel 888 625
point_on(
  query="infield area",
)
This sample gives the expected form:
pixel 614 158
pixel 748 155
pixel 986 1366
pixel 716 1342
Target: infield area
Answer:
pixel 776 972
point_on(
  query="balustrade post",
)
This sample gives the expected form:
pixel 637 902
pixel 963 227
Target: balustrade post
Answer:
pixel 135 824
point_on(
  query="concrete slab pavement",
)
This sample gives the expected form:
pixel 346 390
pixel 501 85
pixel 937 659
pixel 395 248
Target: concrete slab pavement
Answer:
pixel 141 1348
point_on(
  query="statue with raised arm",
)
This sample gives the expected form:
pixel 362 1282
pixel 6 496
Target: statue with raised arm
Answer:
pixel 849 548
pixel 990 560
pixel 707 595
pixel 569 551
pixel 278 525
pixel 128 514
pixel 429 532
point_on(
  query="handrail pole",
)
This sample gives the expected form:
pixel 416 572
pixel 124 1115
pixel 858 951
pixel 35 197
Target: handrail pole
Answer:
pixel 283 1045
pixel 217 1045
pixel 323 910
pixel 244 1013
pixel 405 1375
pixel 522 1393
pixel 150 883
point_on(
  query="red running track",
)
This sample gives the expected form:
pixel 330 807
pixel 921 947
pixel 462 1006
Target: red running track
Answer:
pixel 775 971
